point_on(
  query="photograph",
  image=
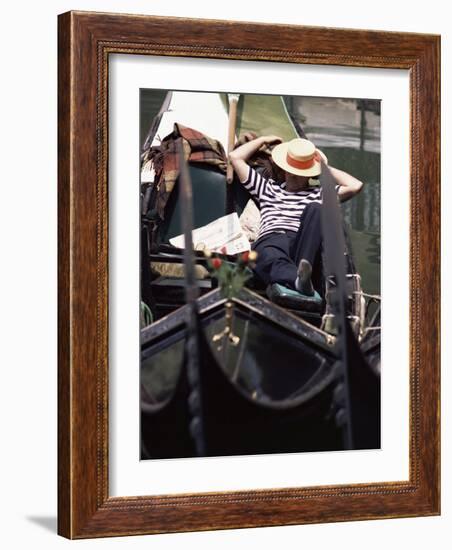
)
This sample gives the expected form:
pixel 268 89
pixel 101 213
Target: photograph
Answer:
pixel 259 274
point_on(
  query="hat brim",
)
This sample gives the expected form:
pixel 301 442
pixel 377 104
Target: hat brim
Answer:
pixel 279 156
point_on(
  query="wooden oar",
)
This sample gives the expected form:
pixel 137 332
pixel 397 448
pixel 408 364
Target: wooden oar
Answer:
pixel 233 101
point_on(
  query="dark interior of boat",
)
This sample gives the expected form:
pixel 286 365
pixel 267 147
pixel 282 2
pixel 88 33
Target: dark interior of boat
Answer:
pixel 280 390
pixel 251 401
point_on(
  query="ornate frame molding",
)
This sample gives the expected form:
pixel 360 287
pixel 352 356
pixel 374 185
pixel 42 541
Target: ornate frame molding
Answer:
pixel 85 42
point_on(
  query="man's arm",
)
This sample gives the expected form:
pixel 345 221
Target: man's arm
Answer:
pixel 240 155
pixel 348 185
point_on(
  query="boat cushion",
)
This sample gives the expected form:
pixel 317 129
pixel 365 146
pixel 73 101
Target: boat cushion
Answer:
pixel 250 220
pixel 293 299
pixel 209 201
pixel 168 269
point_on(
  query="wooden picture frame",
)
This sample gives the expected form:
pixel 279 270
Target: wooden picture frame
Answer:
pixel 86 40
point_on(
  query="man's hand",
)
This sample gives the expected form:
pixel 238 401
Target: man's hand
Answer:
pixel 266 140
pixel 239 156
pixel 271 139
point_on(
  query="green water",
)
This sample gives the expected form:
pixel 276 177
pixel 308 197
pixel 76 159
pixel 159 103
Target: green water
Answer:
pixel 150 103
pixel 351 142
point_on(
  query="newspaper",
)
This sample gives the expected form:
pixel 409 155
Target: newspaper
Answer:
pixel 148 172
pixel 223 232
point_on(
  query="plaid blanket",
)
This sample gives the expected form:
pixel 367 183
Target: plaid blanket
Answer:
pixel 197 148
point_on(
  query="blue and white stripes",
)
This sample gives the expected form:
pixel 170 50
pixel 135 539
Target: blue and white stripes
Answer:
pixel 280 209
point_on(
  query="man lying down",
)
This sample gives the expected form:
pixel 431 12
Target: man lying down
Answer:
pixel 289 240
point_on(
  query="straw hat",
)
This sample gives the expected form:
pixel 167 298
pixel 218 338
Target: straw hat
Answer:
pixel 299 156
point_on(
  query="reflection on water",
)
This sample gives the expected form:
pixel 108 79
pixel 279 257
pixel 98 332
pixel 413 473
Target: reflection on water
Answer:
pixel 350 137
pixel 150 104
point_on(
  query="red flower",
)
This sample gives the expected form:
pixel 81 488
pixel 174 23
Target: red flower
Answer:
pixel 245 257
pixel 216 263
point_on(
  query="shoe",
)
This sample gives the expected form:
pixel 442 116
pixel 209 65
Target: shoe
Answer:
pixel 303 281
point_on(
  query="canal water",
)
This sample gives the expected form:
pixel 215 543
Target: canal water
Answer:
pixel 350 137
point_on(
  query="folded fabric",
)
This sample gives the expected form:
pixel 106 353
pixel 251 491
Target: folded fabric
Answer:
pixel 163 160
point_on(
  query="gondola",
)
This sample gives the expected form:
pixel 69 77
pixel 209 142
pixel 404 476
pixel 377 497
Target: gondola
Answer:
pixel 300 378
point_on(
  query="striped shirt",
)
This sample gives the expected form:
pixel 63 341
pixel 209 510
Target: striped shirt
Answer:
pixel 280 209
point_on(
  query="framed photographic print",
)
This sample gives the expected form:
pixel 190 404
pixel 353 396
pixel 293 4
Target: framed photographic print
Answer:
pixel 248 274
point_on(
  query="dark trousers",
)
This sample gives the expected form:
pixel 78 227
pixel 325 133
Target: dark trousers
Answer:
pixel 279 253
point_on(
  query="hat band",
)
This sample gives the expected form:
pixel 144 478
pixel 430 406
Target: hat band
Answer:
pixel 303 164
